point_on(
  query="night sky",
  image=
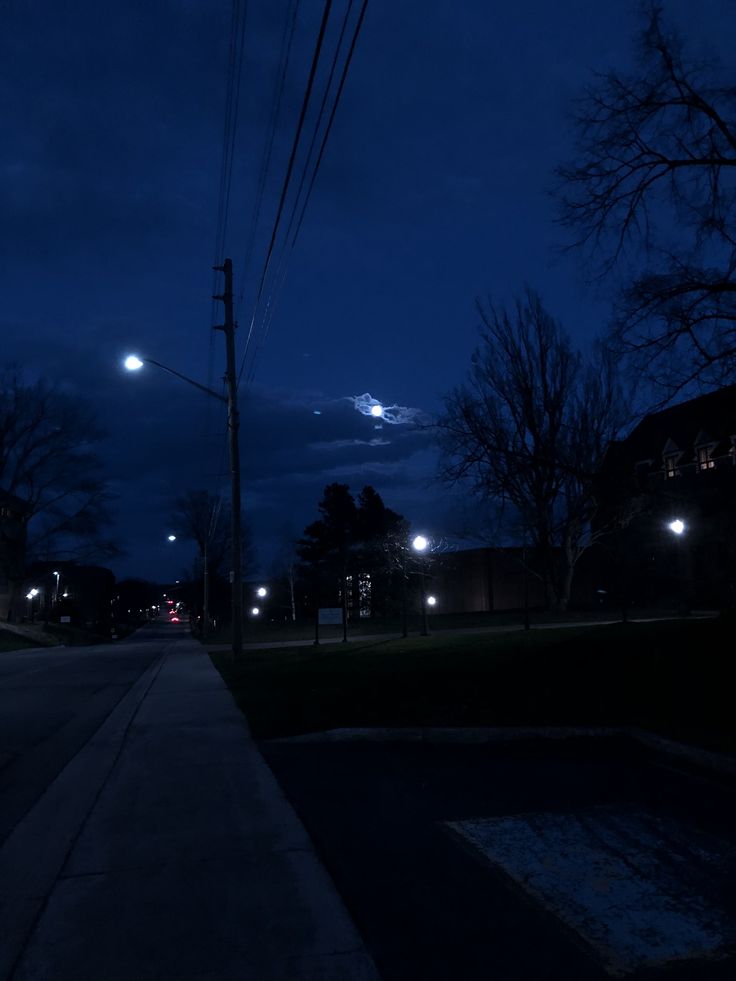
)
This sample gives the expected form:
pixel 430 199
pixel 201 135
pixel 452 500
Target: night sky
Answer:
pixel 434 190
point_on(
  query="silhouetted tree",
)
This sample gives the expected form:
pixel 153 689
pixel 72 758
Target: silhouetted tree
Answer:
pixel 47 460
pixel 651 195
pixel 203 517
pixel 529 429
pixel 379 531
pixel 327 542
pixel 351 540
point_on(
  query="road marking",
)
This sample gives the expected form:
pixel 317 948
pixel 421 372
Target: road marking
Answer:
pixel 640 889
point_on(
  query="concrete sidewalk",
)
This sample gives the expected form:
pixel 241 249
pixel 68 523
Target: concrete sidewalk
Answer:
pixel 166 850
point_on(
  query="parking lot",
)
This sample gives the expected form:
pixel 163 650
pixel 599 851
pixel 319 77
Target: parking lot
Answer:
pixel 579 859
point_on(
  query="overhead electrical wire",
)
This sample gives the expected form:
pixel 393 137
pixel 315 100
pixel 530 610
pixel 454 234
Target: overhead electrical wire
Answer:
pixel 295 146
pixel 335 104
pixel 276 106
pixel 287 248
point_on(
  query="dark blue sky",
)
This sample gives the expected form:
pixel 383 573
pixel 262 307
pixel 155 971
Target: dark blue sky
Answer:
pixel 433 191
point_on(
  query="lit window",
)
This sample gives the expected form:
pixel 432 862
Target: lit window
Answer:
pixel 705 458
pixel 670 466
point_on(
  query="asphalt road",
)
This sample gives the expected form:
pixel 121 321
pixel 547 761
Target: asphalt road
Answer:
pixel 52 701
pixel 537 861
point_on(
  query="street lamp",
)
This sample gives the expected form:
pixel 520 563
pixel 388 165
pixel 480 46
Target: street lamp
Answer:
pixel 262 592
pixel 30 596
pixel 171 538
pixel 678 528
pixel 135 363
pixel 420 545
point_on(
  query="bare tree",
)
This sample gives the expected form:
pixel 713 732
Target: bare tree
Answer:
pixel 200 516
pixel 652 197
pixel 203 518
pixel 47 460
pixel 529 429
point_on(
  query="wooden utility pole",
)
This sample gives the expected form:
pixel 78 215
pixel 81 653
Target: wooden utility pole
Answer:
pixel 233 425
pixel 206 589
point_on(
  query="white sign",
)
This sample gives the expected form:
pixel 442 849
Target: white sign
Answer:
pixel 330 614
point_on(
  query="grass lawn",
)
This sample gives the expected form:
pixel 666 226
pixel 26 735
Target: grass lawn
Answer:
pixel 261 630
pixel 670 677
pixel 15 642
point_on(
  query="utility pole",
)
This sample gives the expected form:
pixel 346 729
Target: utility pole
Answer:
pixel 233 424
pixel 206 591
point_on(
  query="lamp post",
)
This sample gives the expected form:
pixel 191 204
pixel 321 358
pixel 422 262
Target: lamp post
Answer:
pixel 30 596
pixel 404 626
pixel 678 528
pixel 420 545
pixel 134 363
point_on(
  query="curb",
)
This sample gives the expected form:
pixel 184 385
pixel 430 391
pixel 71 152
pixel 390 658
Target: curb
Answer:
pixel 445 734
pixel 34 650
pixel 719 762
pixel 705 758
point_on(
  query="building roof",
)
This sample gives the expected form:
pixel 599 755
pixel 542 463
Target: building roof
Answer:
pixel 708 418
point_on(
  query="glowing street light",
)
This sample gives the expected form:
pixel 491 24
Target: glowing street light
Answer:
pixel 255 611
pixel 420 544
pixel 431 601
pixel 262 592
pixel 171 538
pixel 30 596
pixel 133 362
pixel 678 528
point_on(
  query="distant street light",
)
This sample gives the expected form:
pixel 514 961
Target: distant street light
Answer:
pixel 677 527
pixel 431 601
pixel 262 592
pixel 172 538
pixel 133 363
pixel 255 611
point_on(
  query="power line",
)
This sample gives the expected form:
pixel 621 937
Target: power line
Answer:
pixel 340 87
pixel 290 166
pixel 285 56
pixel 288 248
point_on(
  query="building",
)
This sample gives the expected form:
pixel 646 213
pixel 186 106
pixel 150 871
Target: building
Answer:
pixel 676 465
